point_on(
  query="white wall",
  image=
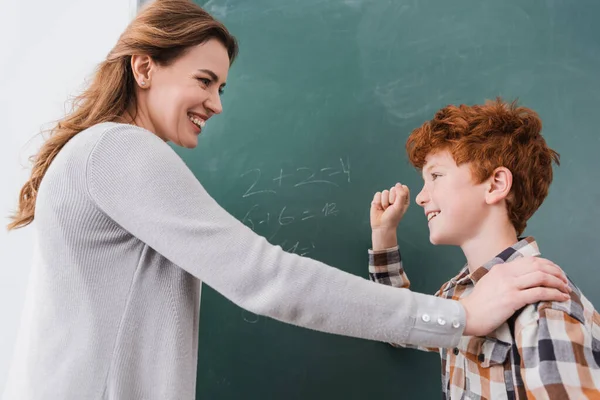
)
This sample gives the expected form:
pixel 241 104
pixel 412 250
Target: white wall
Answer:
pixel 47 49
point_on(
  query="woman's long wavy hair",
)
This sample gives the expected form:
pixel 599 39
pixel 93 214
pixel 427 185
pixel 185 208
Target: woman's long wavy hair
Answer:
pixel 164 30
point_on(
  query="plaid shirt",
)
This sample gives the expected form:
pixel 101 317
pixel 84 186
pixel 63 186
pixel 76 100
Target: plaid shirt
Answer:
pixel 548 350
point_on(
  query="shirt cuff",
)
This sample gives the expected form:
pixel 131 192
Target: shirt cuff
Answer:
pixel 387 260
pixel 439 322
pixel 389 250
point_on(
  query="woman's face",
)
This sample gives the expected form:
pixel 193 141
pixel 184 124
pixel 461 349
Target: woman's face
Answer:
pixel 176 101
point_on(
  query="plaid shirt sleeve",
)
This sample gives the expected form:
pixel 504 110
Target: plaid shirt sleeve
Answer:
pixel 559 350
pixel 385 267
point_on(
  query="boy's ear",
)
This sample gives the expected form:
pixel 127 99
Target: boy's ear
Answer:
pixel 500 183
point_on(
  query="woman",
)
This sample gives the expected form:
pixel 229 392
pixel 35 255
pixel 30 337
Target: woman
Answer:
pixel 125 233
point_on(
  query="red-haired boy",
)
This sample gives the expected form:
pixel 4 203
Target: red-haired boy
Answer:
pixel 486 170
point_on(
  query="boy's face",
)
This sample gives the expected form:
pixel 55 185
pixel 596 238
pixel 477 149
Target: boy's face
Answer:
pixel 454 205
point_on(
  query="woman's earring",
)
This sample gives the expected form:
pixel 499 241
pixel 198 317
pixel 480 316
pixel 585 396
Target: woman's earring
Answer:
pixel 142 83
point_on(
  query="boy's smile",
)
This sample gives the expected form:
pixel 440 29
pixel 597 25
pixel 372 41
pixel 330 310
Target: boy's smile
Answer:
pixel 431 215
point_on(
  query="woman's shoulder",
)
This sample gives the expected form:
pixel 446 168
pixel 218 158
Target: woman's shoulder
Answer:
pixel 115 131
pixel 116 147
pixel 110 142
pixel 104 138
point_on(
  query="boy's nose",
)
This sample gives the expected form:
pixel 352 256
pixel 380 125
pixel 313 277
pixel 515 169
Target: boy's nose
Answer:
pixel 422 197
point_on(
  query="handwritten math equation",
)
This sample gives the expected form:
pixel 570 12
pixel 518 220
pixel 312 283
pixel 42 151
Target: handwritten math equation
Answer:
pixel 261 189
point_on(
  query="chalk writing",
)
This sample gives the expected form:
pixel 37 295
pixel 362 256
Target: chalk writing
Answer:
pixel 301 176
pixel 258 174
pixel 310 178
pixel 299 247
pixel 250 317
pixel 276 210
pixel 330 209
pixel 257 215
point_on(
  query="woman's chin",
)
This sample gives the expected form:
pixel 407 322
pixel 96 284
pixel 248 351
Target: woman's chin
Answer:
pixel 188 140
pixel 190 143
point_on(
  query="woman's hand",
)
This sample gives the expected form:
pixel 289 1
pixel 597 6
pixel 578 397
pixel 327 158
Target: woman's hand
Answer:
pixel 509 287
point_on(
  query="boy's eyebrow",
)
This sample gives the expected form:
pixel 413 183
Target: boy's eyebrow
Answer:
pixel 214 76
pixel 429 167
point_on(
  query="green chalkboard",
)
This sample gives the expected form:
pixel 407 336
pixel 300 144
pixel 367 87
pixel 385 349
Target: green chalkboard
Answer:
pixel 317 111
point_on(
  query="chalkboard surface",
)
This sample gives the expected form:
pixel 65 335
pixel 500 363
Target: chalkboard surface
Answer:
pixel 317 111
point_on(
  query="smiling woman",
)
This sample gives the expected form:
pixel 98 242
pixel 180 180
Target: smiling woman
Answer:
pixel 125 234
pixel 176 100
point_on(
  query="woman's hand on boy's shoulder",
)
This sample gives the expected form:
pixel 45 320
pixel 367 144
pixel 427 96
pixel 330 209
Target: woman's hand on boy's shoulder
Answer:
pixel 503 291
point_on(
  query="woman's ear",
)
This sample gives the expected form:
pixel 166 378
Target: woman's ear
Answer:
pixel 500 183
pixel 142 66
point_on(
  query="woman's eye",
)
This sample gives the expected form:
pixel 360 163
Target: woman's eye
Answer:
pixel 204 81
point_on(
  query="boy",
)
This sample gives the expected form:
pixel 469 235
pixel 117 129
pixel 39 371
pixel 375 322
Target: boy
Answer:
pixel 486 170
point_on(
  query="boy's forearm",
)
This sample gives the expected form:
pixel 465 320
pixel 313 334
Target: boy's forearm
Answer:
pixel 384 239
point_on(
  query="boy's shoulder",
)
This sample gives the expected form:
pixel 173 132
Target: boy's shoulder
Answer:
pixel 577 309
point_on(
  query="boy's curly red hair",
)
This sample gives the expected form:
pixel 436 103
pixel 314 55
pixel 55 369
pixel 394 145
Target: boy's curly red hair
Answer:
pixel 496 134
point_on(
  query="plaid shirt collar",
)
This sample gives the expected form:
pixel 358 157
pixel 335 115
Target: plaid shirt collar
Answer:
pixel 525 247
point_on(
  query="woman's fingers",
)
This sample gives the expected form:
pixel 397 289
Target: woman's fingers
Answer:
pixel 526 265
pixel 537 294
pixel 540 278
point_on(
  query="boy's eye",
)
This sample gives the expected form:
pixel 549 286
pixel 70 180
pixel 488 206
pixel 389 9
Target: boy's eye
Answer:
pixel 434 176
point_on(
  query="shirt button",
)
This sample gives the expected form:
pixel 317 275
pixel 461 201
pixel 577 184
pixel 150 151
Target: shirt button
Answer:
pixel 455 351
pixel 481 357
pixel 441 321
pixel 456 324
pixel 426 318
